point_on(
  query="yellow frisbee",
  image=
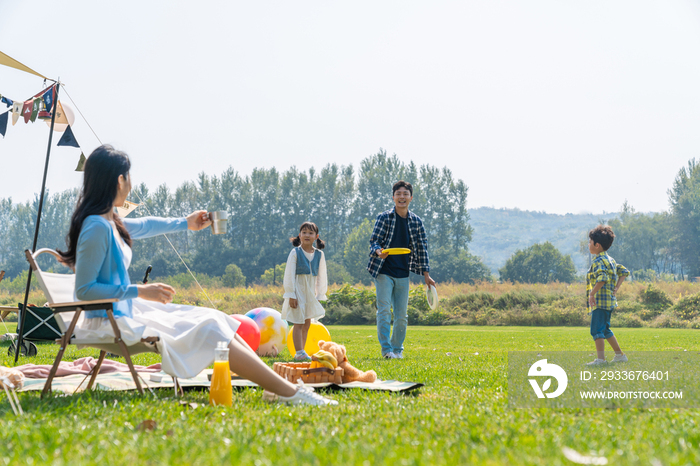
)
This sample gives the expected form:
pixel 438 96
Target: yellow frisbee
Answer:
pixel 396 251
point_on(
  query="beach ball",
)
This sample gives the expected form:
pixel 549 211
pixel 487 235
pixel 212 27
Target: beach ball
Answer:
pixel 317 331
pixel 273 330
pixel 248 330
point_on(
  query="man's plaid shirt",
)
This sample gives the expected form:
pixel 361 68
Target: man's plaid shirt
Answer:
pixel 382 235
pixel 604 269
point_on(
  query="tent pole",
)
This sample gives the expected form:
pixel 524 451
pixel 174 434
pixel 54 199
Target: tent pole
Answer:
pixel 18 349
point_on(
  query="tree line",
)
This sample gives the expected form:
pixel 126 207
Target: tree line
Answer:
pixel 265 209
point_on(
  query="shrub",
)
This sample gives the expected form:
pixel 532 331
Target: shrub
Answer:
pixel 337 273
pixel 668 321
pixel 521 298
pixel 470 302
pixel 626 320
pixel 654 297
pixel 688 307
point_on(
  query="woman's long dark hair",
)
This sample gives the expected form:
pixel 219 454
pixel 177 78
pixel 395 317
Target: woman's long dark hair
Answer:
pixel 309 226
pixel 100 186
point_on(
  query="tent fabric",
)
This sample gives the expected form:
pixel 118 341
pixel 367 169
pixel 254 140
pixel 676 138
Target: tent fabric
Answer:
pixel 12 63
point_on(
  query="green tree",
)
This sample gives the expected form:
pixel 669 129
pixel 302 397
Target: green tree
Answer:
pixel 356 253
pixel 337 273
pixel 460 267
pixel 233 276
pixel 684 198
pixel 274 276
pixel 540 263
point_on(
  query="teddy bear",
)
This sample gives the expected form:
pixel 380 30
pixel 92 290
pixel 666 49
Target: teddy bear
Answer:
pixel 350 373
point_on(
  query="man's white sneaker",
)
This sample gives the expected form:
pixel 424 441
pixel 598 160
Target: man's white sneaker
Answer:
pixel 398 355
pixel 620 358
pixel 389 355
pixel 597 362
pixel 304 396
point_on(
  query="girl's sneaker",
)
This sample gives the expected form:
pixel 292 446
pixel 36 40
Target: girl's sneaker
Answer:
pixel 597 362
pixel 302 356
pixel 304 396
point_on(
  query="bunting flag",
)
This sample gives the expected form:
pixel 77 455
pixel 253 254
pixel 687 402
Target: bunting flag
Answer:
pixel 48 97
pixel 36 105
pixel 27 111
pixel 127 208
pixel 16 111
pixel 6 101
pixel 68 139
pixel 3 123
pixel 81 163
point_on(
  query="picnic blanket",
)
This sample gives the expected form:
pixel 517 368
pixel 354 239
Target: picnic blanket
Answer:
pixel 80 366
pixel 123 381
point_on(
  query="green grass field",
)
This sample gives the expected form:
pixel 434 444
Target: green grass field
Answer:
pixel 460 417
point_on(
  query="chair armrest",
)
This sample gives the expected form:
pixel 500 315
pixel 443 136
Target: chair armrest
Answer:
pixel 97 305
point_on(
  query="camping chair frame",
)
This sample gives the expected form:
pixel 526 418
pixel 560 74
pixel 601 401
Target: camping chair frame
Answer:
pixel 147 344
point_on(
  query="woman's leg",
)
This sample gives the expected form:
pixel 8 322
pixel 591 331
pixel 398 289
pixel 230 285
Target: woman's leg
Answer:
pixel 298 336
pixel 305 332
pixel 244 362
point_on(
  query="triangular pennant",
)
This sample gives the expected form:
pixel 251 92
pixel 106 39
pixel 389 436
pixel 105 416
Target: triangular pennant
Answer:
pixel 48 98
pixel 16 111
pixel 3 123
pixel 127 208
pixel 61 118
pixel 36 105
pixel 27 111
pixel 6 101
pixel 81 163
pixel 68 139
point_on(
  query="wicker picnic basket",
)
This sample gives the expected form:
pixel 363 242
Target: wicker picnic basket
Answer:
pixel 294 371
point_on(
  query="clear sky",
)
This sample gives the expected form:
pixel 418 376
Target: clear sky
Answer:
pixel 556 106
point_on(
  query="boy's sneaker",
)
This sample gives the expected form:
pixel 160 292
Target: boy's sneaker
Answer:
pixel 304 396
pixel 620 358
pixel 398 355
pixel 389 355
pixel 302 357
pixel 597 362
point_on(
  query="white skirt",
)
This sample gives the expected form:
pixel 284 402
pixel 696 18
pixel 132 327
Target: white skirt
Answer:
pixel 308 307
pixel 188 334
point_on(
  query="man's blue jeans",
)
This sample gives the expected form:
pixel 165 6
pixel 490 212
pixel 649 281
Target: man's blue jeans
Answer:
pixel 391 293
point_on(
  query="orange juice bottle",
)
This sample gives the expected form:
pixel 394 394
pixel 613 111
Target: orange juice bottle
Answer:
pixel 221 392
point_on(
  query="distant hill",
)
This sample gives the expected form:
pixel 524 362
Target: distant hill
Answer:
pixel 498 233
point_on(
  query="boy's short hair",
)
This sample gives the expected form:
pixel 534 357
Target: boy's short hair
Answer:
pixel 402 184
pixel 603 235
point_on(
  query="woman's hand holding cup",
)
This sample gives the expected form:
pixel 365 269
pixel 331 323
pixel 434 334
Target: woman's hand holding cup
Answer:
pixel 198 220
pixel 158 292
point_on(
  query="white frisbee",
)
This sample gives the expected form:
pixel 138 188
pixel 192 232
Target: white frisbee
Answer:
pixel 431 296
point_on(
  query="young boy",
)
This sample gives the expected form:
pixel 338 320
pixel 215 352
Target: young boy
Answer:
pixel 603 280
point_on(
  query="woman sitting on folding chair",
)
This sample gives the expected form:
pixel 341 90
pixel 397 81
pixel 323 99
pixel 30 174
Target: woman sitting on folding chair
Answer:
pixel 99 249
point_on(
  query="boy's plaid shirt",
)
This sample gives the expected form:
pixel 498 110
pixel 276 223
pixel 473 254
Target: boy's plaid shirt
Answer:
pixel 382 235
pixel 604 269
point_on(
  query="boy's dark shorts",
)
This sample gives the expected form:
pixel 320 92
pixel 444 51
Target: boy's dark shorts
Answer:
pixel 600 324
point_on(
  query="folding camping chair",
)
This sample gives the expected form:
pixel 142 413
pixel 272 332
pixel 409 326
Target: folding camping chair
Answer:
pixel 60 291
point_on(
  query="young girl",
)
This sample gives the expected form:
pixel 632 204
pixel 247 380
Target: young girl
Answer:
pixel 305 284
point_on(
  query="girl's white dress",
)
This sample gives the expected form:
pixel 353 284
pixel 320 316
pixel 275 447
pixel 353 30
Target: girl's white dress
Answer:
pixel 188 334
pixel 307 289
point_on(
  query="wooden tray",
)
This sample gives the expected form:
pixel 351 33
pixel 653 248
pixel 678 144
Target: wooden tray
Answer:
pixel 293 371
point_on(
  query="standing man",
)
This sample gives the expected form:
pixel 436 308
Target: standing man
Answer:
pixel 396 228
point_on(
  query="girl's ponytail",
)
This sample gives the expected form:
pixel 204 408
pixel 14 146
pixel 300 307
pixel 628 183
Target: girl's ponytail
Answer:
pixel 295 241
pixel 320 244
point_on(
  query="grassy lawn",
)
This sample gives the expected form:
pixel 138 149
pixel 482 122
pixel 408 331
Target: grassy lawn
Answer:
pixel 460 417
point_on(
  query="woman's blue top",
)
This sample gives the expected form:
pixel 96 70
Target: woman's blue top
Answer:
pixel 100 266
